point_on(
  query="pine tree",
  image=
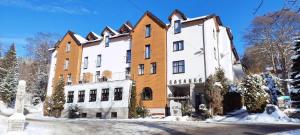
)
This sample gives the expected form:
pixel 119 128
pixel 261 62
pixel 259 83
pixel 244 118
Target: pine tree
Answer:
pixel 58 98
pixel 255 97
pixel 10 58
pixel 133 104
pixel 295 71
pixel 8 87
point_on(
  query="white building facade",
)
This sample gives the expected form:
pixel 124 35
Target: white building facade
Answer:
pixel 196 48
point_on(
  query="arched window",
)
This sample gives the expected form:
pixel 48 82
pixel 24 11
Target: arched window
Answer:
pixel 147 94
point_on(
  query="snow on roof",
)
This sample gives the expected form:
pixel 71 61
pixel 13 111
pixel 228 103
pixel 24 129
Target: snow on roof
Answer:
pixel 80 38
pixel 119 35
pixel 195 18
pixel 98 36
pixel 115 32
pixel 128 26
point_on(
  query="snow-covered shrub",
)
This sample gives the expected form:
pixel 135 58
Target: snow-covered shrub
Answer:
pixel 73 111
pixel 48 106
pixel 142 111
pixel 272 86
pixel 255 97
pixel 213 96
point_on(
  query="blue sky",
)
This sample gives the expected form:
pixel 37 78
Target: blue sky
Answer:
pixel 20 19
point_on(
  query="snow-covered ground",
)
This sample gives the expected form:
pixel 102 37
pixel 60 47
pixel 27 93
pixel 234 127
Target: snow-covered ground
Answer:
pixel 242 116
pixel 292 132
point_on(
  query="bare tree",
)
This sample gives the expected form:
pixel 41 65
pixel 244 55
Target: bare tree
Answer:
pixel 37 63
pixel 272 35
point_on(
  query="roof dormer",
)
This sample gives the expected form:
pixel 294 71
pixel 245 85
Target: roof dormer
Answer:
pixel 177 15
pixel 125 28
pixel 108 31
pixel 93 36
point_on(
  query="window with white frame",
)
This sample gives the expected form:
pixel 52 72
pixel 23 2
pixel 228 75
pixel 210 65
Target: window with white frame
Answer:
pixel 178 67
pixel 118 93
pixel 66 66
pixel 68 47
pixel 98 62
pixel 153 68
pixel 215 53
pixel 141 69
pixel 178 45
pixel 128 56
pixel 69 79
pixel 93 95
pixel 105 94
pixel 81 96
pixel 70 97
pixel 107 40
pixel 177 26
pixel 147 52
pixel 85 62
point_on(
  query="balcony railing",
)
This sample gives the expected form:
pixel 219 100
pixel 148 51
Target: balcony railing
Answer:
pixel 100 78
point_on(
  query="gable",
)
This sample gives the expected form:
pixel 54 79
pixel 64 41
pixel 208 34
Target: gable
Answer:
pixel 148 15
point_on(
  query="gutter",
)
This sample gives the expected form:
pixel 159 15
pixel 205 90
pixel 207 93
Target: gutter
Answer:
pixel 203 36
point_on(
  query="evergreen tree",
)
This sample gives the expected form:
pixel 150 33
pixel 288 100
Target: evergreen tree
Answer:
pixel 8 87
pixel 58 98
pixel 10 58
pixel 255 97
pixel 133 104
pixel 295 71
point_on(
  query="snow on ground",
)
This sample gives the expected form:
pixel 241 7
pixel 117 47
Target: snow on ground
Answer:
pixel 242 116
pixel 29 129
pixel 292 132
pixel 4 110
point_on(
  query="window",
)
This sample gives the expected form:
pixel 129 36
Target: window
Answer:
pixel 147 52
pixel 128 56
pixel 86 62
pixel 147 94
pixel 68 47
pixel 177 27
pixel 83 115
pixel 98 77
pixel 107 40
pixel 81 96
pixel 215 53
pixel 127 70
pixel 104 94
pixel 66 64
pixel 114 114
pixel 70 97
pixel 178 67
pixel 98 115
pixel 148 31
pixel 118 93
pixel 93 95
pixel 141 69
pixel 69 79
pixel 178 46
pixel 153 68
pixel 98 64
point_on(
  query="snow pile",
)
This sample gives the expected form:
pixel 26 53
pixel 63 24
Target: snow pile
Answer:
pixel 178 118
pixel 242 116
pixel 276 116
pixel 4 110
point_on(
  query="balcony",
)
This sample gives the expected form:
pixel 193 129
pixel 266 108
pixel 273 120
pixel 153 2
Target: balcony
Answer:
pixel 90 78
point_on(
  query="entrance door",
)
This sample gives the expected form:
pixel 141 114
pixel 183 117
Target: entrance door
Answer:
pixel 198 101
